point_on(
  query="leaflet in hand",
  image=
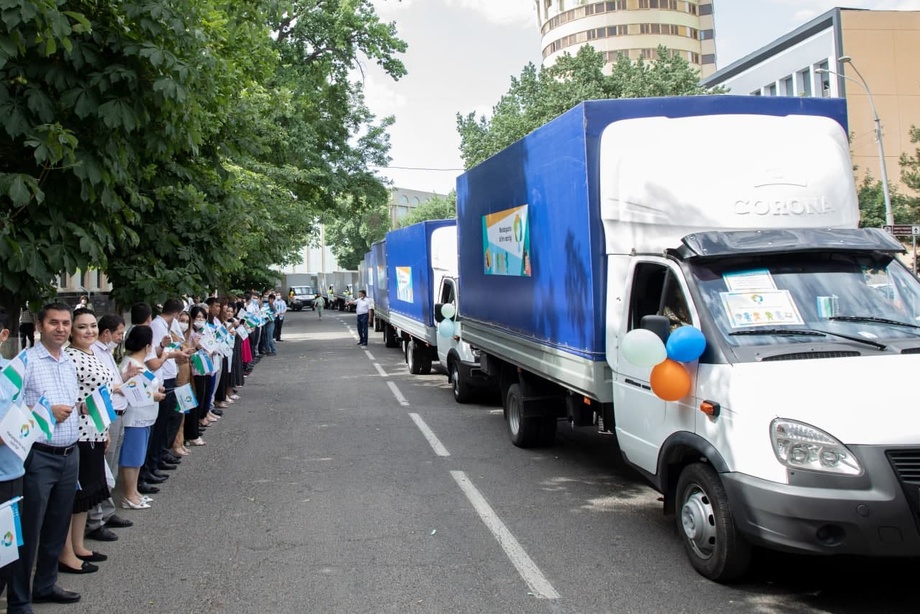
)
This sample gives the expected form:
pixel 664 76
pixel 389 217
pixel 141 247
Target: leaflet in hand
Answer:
pixel 139 389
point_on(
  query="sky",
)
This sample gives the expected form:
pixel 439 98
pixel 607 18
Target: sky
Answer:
pixel 463 53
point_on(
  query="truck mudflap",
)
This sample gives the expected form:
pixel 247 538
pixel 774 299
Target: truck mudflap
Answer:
pixel 874 515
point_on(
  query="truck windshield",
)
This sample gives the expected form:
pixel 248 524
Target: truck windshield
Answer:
pixel 763 300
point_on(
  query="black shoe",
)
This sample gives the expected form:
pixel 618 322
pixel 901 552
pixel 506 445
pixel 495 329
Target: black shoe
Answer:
pixel 117 522
pixel 95 557
pixel 147 489
pixel 57 595
pixel 175 459
pixel 83 568
pixel 103 535
pixel 157 476
pixel 217 411
pixel 165 467
pixel 151 479
pixel 168 461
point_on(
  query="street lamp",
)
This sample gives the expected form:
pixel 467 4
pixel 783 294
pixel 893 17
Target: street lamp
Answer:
pixel 845 59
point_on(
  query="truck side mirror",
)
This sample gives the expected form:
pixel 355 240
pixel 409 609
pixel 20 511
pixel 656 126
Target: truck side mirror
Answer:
pixel 438 317
pixel 660 325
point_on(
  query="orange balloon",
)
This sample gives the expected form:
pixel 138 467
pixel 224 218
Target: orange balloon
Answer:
pixel 670 380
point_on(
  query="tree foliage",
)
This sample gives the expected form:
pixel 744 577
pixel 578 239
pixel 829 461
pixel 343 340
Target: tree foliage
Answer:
pixel 872 204
pixel 541 94
pixel 352 228
pixel 436 208
pixel 179 144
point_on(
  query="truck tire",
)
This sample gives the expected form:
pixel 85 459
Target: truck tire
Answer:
pixel 414 358
pixel 716 548
pixel 389 336
pixel 524 432
pixel 462 390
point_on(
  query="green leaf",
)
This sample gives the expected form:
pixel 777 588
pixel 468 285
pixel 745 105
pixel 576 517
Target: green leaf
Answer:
pixel 19 193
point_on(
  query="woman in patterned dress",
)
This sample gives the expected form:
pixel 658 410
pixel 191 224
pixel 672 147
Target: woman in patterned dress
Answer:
pixel 94 489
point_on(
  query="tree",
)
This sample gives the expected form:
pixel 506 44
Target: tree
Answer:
pixel 436 208
pixel 539 95
pixel 872 205
pixel 354 227
pixel 910 164
pixel 177 144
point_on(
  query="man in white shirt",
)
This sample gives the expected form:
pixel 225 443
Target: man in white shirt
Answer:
pixel 280 308
pixel 364 308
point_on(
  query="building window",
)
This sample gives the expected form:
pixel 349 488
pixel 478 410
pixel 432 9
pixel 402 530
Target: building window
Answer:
pixel 706 9
pixel 804 82
pixel 822 80
pixel 709 58
pixel 415 201
pixel 770 90
pixel 788 88
pixel 706 35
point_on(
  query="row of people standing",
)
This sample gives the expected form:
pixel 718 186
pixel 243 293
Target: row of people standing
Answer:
pixel 66 481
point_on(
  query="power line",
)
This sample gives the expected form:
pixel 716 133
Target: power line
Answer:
pixel 418 168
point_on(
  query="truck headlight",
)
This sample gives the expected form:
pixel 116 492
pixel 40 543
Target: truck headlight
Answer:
pixel 802 446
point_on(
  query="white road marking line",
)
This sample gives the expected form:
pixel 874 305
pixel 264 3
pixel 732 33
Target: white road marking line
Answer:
pixel 433 440
pixel 380 370
pixel 396 393
pixel 369 355
pixel 529 571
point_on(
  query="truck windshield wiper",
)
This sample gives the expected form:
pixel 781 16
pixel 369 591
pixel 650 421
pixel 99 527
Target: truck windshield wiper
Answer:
pixel 873 319
pixel 791 332
pixel 807 332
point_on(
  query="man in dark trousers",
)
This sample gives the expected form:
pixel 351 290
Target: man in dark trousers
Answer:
pixel 50 481
pixel 364 308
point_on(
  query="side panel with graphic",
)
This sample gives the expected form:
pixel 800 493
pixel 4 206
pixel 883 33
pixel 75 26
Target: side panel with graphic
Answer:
pixel 506 240
pixel 408 269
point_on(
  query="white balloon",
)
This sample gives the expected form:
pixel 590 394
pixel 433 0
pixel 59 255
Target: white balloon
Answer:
pixel 448 310
pixel 643 348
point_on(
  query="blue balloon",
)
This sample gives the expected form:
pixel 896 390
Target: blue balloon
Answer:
pixel 686 344
pixel 446 328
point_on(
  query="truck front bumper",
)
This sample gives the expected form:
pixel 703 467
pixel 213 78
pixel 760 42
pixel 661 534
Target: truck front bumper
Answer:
pixel 473 374
pixel 877 514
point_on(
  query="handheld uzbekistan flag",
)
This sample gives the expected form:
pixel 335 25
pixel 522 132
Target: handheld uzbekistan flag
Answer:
pixel 100 409
pixel 202 364
pixel 44 417
pixel 16 371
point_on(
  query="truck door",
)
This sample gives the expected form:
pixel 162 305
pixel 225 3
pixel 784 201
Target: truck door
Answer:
pixel 447 296
pixel 644 421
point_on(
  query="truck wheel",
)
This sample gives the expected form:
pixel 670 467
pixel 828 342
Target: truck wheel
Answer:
pixel 525 432
pixel 413 359
pixel 425 366
pixel 716 548
pixel 462 391
pixel 389 337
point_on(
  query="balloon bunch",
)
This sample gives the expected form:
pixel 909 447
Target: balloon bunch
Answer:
pixel 670 380
pixel 446 327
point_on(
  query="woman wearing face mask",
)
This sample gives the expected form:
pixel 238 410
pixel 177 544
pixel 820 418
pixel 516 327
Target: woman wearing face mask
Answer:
pixel 92 374
pixel 194 424
pixel 138 419
pixel 183 377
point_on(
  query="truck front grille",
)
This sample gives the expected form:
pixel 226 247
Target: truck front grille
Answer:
pixel 906 465
pixel 808 355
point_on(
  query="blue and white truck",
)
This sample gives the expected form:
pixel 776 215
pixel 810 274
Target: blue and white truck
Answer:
pixel 630 220
pixel 411 288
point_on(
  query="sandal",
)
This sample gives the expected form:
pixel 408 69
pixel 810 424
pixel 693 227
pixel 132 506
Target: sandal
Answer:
pixel 197 442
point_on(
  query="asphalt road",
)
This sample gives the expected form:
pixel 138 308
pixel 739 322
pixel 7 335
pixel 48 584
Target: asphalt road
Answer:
pixel 339 483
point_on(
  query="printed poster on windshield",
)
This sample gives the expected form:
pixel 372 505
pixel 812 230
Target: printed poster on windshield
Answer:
pixel 763 308
pixel 506 243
